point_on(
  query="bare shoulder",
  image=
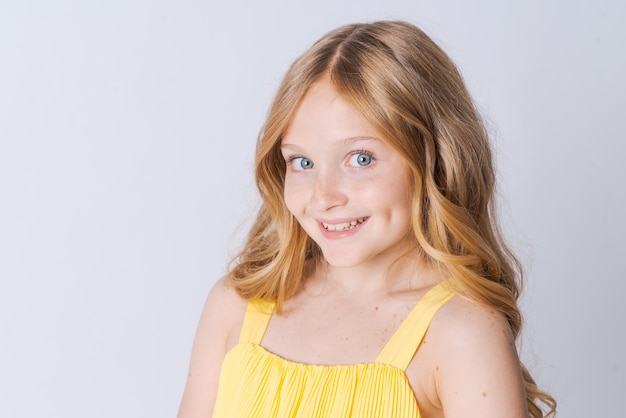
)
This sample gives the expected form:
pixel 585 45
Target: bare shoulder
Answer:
pixel 473 363
pixel 224 309
pixel 462 321
pixel 218 331
pixel 224 294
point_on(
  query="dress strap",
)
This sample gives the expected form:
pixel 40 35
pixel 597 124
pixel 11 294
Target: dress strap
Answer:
pixel 405 341
pixel 258 315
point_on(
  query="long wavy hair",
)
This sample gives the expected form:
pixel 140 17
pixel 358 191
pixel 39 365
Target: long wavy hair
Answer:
pixel 413 95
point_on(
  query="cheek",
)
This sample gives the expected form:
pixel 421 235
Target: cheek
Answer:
pixel 402 207
pixel 395 198
pixel 293 196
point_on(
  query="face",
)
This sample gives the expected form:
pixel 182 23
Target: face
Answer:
pixel 347 188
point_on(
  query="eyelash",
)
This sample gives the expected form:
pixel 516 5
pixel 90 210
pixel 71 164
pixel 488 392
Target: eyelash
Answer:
pixel 363 152
pixel 290 159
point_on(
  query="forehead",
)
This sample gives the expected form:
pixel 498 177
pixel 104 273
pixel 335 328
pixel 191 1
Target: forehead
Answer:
pixel 323 114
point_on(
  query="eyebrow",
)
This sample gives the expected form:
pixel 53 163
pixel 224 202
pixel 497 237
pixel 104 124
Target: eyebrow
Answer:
pixel 353 139
pixel 344 141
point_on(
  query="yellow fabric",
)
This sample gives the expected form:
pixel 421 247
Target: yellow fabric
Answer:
pixel 256 383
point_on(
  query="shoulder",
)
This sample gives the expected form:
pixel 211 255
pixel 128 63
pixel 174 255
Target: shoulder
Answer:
pixel 473 363
pixel 223 312
pixel 218 331
pixel 462 321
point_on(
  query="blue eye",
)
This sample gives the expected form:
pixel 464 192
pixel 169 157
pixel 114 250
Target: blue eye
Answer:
pixel 301 163
pixel 360 159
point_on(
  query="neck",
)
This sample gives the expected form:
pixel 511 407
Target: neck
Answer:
pixel 407 273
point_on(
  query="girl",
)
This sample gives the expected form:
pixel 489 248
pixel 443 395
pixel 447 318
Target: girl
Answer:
pixel 375 281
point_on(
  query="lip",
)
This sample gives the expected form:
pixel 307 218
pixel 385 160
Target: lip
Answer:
pixel 329 234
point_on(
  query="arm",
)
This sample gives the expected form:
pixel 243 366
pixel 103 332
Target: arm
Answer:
pixel 217 332
pixel 477 372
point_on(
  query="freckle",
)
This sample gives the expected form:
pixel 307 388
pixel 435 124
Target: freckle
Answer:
pixel 386 330
pixel 376 307
pixel 484 394
pixel 437 368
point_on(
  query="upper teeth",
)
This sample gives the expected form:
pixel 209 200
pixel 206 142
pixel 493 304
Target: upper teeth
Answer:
pixel 344 226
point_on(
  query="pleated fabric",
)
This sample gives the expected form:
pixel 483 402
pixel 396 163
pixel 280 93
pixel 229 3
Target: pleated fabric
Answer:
pixel 257 383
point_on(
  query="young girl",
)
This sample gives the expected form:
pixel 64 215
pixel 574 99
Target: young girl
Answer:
pixel 375 281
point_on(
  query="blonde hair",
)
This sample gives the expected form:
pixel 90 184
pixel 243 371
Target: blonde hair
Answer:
pixel 412 94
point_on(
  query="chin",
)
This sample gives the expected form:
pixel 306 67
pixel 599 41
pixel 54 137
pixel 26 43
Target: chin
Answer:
pixel 343 260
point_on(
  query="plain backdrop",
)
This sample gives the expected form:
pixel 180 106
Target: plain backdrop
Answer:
pixel 127 131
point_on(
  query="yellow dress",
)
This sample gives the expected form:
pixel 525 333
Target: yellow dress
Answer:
pixel 256 383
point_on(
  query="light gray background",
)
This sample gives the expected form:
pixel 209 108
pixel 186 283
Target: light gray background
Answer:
pixel 127 131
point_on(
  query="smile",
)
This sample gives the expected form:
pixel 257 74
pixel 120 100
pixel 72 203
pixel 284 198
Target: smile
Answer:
pixel 346 226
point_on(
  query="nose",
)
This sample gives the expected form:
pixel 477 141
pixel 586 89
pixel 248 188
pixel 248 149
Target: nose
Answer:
pixel 328 190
